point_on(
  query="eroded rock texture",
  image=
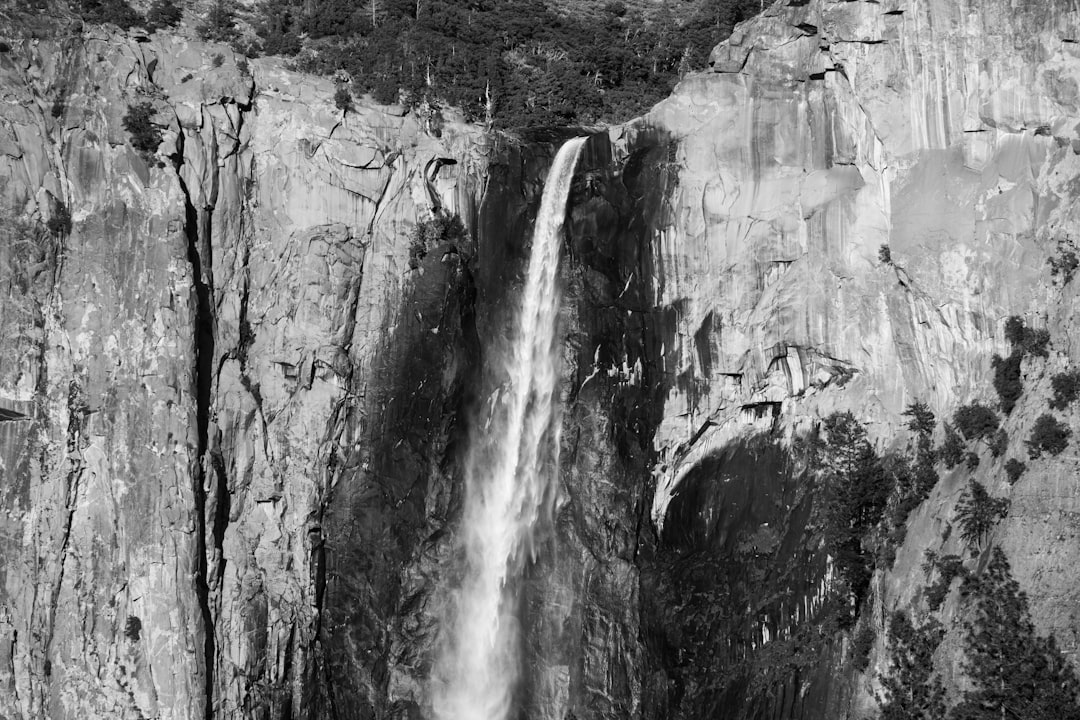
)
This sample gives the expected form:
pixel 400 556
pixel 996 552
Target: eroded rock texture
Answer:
pixel 233 395
pixel 225 390
pixel 946 132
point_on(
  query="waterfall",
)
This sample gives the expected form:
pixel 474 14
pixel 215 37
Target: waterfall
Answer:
pixel 510 472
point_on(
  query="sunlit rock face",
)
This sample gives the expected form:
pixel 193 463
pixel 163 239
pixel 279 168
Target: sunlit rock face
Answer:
pixel 234 398
pixel 201 500
pixel 946 132
pixel 826 131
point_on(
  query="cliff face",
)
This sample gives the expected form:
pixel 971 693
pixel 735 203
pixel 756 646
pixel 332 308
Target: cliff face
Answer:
pixel 223 390
pixel 233 396
pixel 945 132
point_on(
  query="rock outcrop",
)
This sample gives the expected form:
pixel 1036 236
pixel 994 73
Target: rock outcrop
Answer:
pixel 223 388
pixel 859 195
pixel 233 392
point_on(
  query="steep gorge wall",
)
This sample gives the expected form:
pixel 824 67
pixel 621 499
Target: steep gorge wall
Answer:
pixel 225 412
pixel 233 409
pixel 824 131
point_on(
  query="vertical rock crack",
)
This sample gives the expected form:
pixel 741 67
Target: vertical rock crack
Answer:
pixel 203 328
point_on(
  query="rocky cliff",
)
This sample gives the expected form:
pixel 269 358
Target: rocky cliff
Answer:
pixel 945 133
pixel 224 388
pixel 233 392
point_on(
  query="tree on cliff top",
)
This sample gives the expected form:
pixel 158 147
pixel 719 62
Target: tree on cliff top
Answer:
pixel 117 12
pixel 163 14
pixel 561 62
pixel 219 22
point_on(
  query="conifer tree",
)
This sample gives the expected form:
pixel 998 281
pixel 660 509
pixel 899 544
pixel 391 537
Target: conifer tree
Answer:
pixel 854 493
pixel 1016 673
pixel 977 513
pixel 1007 379
pixel 912 690
pixel 922 418
pixel 219 23
pixel 952 450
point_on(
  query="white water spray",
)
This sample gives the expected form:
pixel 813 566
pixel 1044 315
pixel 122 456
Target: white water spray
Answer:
pixel 510 470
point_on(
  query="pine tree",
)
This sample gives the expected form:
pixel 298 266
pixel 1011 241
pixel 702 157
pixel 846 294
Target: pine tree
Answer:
pixel 219 23
pixel 1047 435
pixel 1007 379
pixel 922 418
pixel 163 14
pixel 855 488
pixel 1016 674
pixel 975 421
pixel 912 690
pixel 276 22
pixel 952 450
pixel 118 12
pixel 977 513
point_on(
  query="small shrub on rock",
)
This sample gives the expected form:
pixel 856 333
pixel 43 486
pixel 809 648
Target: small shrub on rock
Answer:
pixel 1014 331
pixel 1036 342
pixel 1047 435
pixel 1066 388
pixel 975 421
pixel 139 122
pixel 59 103
pixel 1007 381
pixel 1026 340
pixel 1064 264
pixel 343 99
pixel 999 443
pixel 952 450
pixel 884 254
pixel 948 568
pixel 442 228
pixel 971 460
pixel 133 628
pixel 1014 469
pixel 59 224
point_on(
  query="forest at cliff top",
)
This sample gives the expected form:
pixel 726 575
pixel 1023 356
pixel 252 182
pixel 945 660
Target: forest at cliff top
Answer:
pixel 510 63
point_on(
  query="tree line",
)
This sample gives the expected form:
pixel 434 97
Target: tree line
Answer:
pixel 509 63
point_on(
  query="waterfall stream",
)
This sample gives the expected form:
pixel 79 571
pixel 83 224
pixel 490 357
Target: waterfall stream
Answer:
pixel 511 467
